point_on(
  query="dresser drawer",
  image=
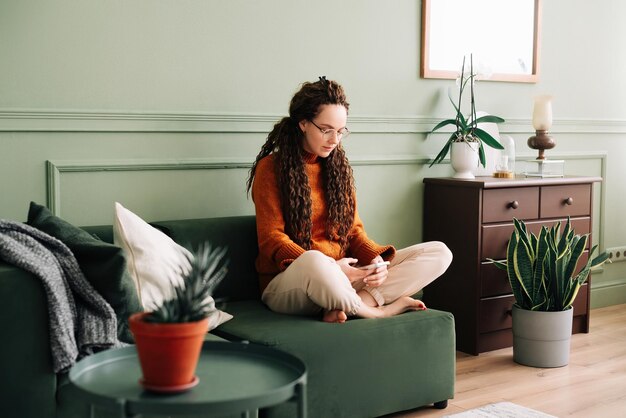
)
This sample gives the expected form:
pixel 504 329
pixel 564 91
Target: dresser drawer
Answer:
pixel 495 238
pixel 502 205
pixel 495 313
pixel 495 282
pixel 581 302
pixel 563 201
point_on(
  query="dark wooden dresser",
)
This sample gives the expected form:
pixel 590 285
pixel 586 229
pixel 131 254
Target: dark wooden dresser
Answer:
pixel 474 219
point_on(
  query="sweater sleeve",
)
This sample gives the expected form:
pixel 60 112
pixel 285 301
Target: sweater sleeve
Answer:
pixel 274 243
pixel 365 249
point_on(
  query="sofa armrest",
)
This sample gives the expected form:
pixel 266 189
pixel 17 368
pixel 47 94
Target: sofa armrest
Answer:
pixel 28 383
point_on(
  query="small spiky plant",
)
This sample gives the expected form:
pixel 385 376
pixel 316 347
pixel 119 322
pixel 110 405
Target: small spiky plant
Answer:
pixel 191 299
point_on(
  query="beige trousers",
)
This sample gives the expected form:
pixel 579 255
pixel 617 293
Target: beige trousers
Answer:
pixel 314 282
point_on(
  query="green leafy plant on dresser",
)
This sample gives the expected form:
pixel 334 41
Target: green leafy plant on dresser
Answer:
pixel 466 128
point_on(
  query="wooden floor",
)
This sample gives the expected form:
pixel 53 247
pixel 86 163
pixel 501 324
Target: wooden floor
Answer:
pixel 592 385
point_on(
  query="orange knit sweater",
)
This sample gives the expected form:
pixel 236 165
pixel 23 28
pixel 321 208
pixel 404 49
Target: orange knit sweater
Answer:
pixel 276 249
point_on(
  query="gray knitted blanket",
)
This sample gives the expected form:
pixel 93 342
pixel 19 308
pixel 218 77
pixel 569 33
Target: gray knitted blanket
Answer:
pixel 80 320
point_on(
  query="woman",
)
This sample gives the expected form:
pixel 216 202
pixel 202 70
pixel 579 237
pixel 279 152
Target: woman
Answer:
pixel 311 239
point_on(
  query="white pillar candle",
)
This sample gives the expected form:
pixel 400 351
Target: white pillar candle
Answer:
pixel 542 113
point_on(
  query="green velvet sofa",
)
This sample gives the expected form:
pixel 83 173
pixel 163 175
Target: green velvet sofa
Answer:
pixel 363 368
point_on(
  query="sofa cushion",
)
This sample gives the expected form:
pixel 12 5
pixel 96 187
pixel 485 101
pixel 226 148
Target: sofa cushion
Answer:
pixel 355 364
pixel 238 235
pixel 103 264
pixel 101 232
pixel 155 261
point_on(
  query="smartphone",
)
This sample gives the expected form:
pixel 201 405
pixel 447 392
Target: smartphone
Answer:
pixel 374 265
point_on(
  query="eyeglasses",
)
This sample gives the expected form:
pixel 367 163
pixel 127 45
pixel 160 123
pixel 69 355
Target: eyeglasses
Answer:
pixel 329 133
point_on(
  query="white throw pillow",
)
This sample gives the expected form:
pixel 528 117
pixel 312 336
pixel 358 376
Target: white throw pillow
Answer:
pixel 155 261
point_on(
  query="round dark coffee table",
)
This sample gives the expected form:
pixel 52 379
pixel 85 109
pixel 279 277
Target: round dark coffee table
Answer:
pixel 234 378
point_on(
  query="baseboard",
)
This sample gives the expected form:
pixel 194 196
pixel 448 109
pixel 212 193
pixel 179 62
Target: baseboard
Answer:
pixel 608 295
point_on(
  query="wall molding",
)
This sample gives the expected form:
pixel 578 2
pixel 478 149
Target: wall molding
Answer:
pixel 36 120
pixel 54 170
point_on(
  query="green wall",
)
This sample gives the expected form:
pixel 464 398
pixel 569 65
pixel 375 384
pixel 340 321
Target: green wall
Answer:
pixel 162 105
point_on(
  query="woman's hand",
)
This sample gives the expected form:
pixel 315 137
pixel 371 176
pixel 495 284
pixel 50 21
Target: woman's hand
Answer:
pixel 354 274
pixel 377 276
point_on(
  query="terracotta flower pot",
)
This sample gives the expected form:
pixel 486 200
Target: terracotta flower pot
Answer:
pixel 168 353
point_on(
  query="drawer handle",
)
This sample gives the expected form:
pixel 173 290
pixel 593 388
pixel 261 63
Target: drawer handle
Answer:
pixel 514 204
pixel 569 201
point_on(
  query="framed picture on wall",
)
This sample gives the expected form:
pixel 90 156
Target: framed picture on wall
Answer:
pixel 502 36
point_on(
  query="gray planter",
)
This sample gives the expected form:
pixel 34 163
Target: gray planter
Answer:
pixel 542 339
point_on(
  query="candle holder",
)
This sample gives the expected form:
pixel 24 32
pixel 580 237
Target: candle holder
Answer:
pixel 541 141
pixel 542 121
pixel 505 164
pixel 545 168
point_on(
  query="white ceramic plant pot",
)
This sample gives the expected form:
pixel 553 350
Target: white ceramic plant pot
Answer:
pixel 464 159
pixel 542 339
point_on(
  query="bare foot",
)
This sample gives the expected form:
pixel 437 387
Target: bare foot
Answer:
pixel 336 316
pixel 403 304
pixel 418 305
pixel 396 307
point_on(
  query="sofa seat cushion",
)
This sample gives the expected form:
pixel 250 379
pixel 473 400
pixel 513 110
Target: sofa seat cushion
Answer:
pixel 408 359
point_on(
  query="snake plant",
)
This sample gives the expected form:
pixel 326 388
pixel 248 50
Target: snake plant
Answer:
pixel 542 269
pixel 191 299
